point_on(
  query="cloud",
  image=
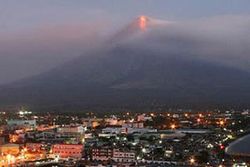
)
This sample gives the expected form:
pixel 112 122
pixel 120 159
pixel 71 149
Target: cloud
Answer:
pixel 42 48
pixel 222 39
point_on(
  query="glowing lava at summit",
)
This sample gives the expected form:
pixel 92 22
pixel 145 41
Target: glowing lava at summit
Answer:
pixel 138 26
pixel 142 22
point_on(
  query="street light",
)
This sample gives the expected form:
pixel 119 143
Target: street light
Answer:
pixel 173 126
pixel 221 123
pixel 192 160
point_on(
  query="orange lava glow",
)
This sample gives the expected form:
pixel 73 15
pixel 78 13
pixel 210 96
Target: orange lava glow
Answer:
pixel 142 22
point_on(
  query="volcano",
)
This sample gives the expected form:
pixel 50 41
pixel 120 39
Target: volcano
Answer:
pixel 138 27
pixel 131 74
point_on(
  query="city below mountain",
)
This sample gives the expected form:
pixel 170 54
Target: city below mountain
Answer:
pixel 138 67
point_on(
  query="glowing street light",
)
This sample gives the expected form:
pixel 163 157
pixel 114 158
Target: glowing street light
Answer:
pixel 83 140
pixel 198 120
pixel 173 126
pixel 222 123
pixel 192 160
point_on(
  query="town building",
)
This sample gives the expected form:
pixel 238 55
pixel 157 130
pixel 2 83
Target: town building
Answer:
pixel 123 156
pixel 26 124
pixel 91 122
pixel 64 151
pixel 71 129
pixel 102 153
pixel 34 147
pixel 133 125
pixel 12 149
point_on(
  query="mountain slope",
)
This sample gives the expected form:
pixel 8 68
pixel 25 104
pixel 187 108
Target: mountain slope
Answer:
pixel 122 77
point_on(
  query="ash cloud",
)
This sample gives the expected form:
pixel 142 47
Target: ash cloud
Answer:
pixel 224 40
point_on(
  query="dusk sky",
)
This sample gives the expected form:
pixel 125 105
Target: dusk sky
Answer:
pixel 37 35
pixel 19 15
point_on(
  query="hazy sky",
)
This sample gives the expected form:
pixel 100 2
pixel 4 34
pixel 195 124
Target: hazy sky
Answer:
pixel 37 35
pixel 22 14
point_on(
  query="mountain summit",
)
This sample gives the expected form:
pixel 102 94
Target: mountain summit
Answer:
pixel 138 27
pixel 142 22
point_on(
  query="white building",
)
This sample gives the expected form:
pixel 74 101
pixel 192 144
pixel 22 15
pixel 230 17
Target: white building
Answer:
pixel 71 129
pixel 123 156
pixel 126 130
pixel 113 130
pixel 138 130
pixel 133 125
pixel 193 131
pixel 31 124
